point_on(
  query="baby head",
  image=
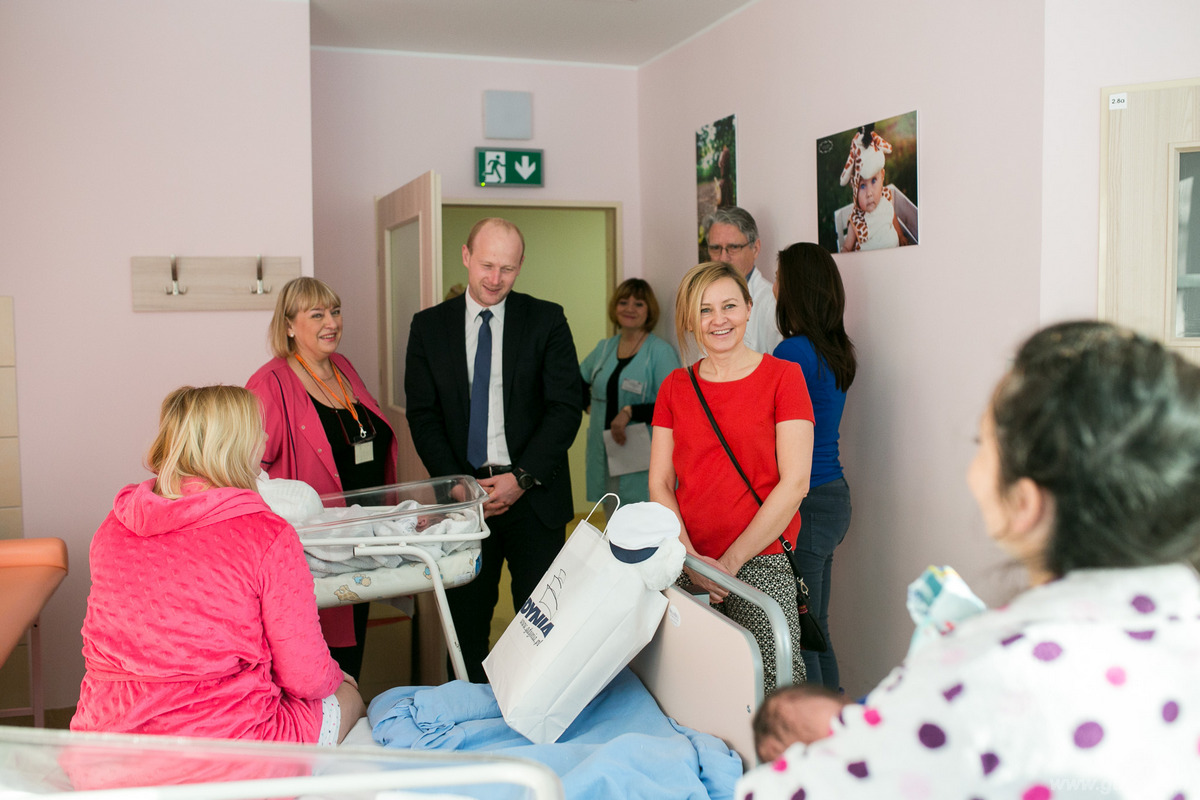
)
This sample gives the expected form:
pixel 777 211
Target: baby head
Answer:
pixel 794 714
pixel 864 171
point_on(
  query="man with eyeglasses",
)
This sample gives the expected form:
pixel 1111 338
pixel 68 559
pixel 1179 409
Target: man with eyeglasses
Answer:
pixel 732 236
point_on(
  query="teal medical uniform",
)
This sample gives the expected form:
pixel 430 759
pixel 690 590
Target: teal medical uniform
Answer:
pixel 639 383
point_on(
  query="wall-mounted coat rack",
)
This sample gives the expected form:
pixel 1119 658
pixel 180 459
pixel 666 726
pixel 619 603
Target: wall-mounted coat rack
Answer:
pixel 203 283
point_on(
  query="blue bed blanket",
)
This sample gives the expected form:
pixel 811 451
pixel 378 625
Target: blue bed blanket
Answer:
pixel 621 745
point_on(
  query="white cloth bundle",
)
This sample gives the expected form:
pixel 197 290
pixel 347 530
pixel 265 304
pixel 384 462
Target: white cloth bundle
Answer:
pixel 299 504
pixel 337 559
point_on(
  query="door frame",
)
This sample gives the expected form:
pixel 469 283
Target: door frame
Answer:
pixel 1163 175
pixel 614 229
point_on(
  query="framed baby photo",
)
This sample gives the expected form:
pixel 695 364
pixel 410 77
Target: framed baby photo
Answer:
pixel 716 172
pixel 867 186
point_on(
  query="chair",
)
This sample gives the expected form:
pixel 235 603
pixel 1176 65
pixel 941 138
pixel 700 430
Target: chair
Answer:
pixel 30 571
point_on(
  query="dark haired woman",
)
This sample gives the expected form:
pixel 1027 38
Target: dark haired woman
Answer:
pixel 810 302
pixel 621 378
pixel 1087 475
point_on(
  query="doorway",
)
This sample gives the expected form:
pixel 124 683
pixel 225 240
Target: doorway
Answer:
pixel 570 259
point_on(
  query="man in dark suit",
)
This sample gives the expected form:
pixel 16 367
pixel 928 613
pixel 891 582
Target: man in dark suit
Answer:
pixel 493 390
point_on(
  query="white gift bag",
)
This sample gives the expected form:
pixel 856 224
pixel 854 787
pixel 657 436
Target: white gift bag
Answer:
pixel 590 615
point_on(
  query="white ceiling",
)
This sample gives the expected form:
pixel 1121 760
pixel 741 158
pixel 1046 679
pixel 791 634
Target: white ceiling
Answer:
pixel 621 32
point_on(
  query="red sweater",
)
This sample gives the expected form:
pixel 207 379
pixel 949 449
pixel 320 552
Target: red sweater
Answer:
pixel 713 499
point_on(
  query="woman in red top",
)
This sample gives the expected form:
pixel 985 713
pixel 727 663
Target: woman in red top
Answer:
pixel 762 406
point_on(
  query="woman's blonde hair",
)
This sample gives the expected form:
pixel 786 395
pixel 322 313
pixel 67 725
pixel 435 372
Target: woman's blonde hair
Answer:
pixel 212 433
pixel 298 294
pixel 691 293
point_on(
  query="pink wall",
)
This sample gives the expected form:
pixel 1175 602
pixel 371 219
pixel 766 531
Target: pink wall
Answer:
pixel 134 127
pixel 1091 44
pixel 156 126
pixel 382 119
pixel 934 323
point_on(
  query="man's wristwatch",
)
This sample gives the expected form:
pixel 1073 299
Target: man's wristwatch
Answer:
pixel 524 479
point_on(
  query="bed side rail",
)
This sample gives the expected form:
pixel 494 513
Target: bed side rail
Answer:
pixel 778 622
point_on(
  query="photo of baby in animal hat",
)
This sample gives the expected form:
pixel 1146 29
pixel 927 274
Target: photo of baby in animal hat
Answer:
pixel 867 186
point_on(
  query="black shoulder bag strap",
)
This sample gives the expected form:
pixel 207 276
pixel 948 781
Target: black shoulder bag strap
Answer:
pixel 721 437
pixel 811 638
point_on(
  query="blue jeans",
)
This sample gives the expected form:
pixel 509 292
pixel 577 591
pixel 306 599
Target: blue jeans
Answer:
pixel 824 519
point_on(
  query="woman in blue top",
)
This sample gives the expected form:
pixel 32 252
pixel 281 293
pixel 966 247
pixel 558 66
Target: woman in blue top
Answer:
pixel 810 302
pixel 621 377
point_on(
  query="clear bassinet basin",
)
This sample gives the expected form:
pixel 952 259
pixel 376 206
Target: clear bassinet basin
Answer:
pixel 451 494
pixel 395 540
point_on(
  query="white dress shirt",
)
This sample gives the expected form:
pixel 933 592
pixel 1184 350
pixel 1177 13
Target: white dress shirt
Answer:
pixel 497 445
pixel 762 334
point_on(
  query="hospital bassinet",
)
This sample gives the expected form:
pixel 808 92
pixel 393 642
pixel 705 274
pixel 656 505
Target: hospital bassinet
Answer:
pixel 398 540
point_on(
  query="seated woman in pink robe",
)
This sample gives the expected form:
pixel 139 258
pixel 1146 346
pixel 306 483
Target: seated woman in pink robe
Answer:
pixel 201 619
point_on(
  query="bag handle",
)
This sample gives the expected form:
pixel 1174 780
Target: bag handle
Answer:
pixel 728 451
pixel 587 519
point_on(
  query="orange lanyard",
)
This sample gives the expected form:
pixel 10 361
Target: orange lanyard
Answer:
pixel 344 399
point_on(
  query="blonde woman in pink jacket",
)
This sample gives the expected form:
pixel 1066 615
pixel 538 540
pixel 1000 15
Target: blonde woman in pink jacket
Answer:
pixel 201 619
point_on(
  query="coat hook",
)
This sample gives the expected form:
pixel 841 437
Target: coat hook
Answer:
pixel 174 288
pixel 259 289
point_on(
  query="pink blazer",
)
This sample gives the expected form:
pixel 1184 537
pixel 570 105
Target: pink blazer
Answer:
pixel 298 449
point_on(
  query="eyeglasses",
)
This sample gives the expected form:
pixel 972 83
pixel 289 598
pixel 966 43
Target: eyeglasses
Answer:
pixel 729 249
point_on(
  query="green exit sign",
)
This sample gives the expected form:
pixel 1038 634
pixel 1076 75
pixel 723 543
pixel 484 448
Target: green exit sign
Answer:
pixel 508 167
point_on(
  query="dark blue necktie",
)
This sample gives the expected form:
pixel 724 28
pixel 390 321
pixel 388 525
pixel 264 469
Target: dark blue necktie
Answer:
pixel 477 432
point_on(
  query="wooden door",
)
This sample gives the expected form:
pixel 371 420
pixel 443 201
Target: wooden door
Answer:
pixel 1149 202
pixel 408 238
pixel 408 247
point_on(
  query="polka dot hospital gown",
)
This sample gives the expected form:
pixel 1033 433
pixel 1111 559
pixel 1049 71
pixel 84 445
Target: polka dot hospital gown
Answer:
pixel 1085 687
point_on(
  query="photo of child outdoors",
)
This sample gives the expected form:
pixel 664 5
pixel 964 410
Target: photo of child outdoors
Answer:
pixel 867 186
pixel 716 173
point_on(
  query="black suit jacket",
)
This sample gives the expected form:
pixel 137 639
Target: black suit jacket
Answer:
pixel 542 396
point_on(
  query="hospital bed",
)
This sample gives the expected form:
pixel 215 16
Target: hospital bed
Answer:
pixel 702 670
pixel 422 536
pixel 37 763
pixel 705 671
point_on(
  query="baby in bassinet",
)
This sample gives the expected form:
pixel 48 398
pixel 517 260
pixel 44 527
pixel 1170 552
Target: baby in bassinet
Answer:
pixel 299 504
pixel 873 224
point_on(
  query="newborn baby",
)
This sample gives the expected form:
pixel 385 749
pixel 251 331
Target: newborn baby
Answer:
pixel 803 713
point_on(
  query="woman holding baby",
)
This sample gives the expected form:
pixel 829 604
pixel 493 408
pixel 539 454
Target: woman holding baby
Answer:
pixel 1086 474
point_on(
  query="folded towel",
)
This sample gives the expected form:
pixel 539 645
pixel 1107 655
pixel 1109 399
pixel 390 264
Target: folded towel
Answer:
pixel 295 501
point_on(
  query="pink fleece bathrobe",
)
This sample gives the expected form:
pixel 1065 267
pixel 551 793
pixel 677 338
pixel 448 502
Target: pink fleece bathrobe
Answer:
pixel 202 622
